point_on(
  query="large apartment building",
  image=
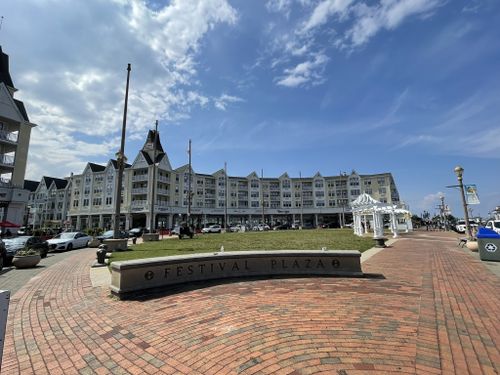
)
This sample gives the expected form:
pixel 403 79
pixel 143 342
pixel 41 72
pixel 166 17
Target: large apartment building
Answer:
pixel 15 131
pixel 89 196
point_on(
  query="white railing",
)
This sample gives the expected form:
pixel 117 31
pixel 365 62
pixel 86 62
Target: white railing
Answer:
pixel 163 191
pixel 6 159
pixel 140 191
pixel 6 136
pixel 142 177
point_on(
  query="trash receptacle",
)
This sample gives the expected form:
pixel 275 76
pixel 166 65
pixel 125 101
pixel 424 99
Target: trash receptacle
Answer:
pixel 489 244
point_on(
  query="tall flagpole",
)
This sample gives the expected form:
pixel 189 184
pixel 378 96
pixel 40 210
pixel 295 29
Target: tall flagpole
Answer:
pixel 152 226
pixel 189 186
pixel 262 193
pixel 225 196
pixel 120 159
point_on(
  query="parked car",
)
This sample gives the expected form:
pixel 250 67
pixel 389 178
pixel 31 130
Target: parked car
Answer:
pixel 135 232
pixel 3 255
pixel 493 225
pixel 109 234
pixel 331 224
pixel 22 231
pixel 261 227
pixel 282 227
pixel 461 228
pixel 69 241
pixel 215 228
pixel 12 245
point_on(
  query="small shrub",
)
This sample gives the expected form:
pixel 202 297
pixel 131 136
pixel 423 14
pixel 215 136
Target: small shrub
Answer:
pixel 27 252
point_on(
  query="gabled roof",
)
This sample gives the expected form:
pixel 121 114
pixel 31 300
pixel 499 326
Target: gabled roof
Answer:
pixel 20 106
pixel 60 184
pixel 148 159
pixel 4 69
pixel 115 164
pixel 96 167
pixel 149 144
pixel 284 175
pixel 364 200
pixel 30 185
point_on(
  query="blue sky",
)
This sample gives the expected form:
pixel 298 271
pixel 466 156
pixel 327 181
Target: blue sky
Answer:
pixel 410 87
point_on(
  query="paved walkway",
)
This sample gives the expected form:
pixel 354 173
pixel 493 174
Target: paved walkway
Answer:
pixel 434 311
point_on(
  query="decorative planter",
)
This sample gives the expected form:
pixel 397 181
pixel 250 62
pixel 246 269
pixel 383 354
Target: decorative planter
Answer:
pixel 150 237
pixel 472 245
pixel 27 261
pixel 94 242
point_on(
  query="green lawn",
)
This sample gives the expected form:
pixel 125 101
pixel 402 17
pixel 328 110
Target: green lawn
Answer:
pixel 332 239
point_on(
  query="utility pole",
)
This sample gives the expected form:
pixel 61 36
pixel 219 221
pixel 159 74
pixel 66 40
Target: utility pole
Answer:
pixel 152 225
pixel 301 201
pixel 189 186
pixel 262 193
pixel 120 159
pixel 225 196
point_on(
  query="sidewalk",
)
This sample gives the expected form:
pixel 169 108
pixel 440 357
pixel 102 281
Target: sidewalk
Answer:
pixel 434 311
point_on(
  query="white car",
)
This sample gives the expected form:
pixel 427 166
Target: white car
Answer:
pixel 461 228
pixel 215 228
pixel 493 225
pixel 69 241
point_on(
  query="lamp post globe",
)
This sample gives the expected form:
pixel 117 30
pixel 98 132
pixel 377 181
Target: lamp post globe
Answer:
pixel 459 171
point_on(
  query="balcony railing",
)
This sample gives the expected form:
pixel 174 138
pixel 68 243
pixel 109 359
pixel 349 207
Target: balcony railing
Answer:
pixel 10 137
pixel 6 159
pixel 140 191
pixel 141 177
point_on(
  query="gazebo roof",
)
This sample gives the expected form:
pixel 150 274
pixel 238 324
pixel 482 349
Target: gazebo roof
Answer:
pixel 364 200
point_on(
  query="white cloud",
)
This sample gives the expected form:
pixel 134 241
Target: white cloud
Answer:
pixel 222 101
pixel 307 72
pixel 323 11
pixel 430 201
pixel 82 91
pixel 388 14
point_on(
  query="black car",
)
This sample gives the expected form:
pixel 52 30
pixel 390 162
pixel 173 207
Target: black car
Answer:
pixel 12 245
pixel 135 232
pixel 3 255
pixel 110 234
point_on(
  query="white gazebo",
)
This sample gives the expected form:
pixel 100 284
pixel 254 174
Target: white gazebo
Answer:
pixel 365 207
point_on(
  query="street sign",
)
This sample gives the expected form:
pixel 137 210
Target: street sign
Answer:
pixel 471 194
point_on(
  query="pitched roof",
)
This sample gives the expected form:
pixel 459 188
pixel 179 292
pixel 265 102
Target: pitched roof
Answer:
pixel 115 164
pixel 96 167
pixel 60 184
pixel 148 158
pixel 149 144
pixel 20 106
pixel 4 69
pixel 30 185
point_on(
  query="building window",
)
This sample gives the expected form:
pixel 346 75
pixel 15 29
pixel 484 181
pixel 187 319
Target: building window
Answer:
pixel 85 202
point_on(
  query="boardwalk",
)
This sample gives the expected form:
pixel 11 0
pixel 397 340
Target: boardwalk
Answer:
pixel 434 311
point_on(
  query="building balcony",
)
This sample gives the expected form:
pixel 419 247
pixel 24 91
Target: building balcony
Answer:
pixel 7 160
pixel 142 177
pixel 8 138
pixel 140 190
pixel 163 191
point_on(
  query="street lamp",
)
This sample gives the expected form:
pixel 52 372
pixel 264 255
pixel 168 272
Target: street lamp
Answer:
pixel 459 171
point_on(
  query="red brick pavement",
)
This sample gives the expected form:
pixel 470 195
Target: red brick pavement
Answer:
pixel 435 312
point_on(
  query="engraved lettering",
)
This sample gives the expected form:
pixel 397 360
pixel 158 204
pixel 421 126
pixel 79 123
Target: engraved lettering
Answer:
pixel 283 264
pixel 211 267
pixel 167 272
pixel 295 264
pixel 190 269
pixel 235 267
pixel 222 266
pixel 179 270
pixel 202 266
pixel 320 264
pixel 308 262
pixel 273 263
pixel 246 265
pixel 336 263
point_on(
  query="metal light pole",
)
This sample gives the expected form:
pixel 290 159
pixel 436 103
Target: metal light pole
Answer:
pixel 188 219
pixel 225 196
pixel 459 171
pixel 152 221
pixel 120 159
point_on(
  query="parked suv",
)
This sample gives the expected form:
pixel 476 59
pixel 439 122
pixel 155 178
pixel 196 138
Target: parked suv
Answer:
pixel 493 225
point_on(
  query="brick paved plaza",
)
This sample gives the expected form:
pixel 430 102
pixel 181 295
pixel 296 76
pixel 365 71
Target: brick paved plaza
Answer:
pixel 434 311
